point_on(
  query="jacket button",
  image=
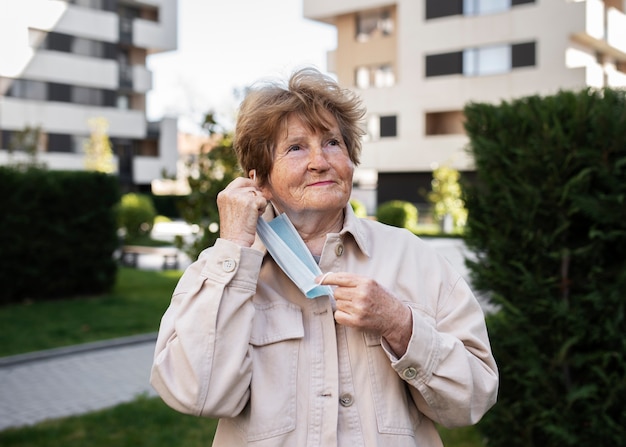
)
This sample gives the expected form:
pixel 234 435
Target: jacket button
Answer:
pixel 339 250
pixel 409 373
pixel 346 400
pixel 229 265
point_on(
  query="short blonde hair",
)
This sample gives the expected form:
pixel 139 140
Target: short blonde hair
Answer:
pixel 310 95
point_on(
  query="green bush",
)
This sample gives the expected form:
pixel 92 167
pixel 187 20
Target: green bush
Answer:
pixel 398 213
pixel 167 205
pixel 57 233
pixel 359 208
pixel 547 222
pixel 136 214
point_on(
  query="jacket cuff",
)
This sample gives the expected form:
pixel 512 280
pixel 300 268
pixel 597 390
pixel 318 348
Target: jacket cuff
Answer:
pixel 229 263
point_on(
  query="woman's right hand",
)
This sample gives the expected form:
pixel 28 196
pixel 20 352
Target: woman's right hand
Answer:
pixel 240 204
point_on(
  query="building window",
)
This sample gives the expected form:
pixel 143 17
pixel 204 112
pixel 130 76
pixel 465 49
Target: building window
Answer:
pixel 60 142
pixel 375 76
pixel 88 47
pixel 373 23
pixel 482 7
pixel 381 127
pixel 482 61
pixel 87 96
pixel 388 126
pixel 523 55
pixel 58 42
pixel 443 8
pixel 59 92
pixel 445 123
pixel 78 45
pixel 28 89
pixel 487 60
pixel 5 138
pixel 446 8
pixel 444 64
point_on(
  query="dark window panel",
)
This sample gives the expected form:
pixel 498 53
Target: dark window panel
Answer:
pixel 443 8
pixel 60 142
pixel 523 55
pixel 59 42
pixel 110 50
pixel 388 126
pixel 444 64
pixel 409 186
pixel 5 138
pixel 110 5
pixel 110 98
pixel 59 92
pixel 521 2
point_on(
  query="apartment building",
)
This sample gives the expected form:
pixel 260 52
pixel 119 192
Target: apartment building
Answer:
pixel 416 63
pixel 63 63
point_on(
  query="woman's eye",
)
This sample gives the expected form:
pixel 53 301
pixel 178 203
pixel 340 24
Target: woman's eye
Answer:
pixel 293 148
pixel 335 144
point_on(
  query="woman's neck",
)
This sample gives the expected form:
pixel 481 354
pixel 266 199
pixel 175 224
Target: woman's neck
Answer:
pixel 313 230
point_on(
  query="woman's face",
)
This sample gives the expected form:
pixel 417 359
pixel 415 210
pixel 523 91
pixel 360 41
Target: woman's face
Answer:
pixel 311 171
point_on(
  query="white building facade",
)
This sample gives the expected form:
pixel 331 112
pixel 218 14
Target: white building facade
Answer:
pixel 63 63
pixel 416 63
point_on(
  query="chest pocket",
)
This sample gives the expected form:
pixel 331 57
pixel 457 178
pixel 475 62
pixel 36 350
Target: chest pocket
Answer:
pixel 277 331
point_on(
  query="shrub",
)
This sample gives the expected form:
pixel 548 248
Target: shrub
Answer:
pixel 167 205
pixel 398 213
pixel 136 214
pixel 57 233
pixel 547 222
pixel 358 207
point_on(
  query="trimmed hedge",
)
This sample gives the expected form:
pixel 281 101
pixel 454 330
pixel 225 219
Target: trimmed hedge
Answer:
pixel 547 221
pixel 57 233
pixel 398 213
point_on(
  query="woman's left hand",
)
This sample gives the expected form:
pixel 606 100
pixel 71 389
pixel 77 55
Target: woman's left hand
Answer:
pixel 364 304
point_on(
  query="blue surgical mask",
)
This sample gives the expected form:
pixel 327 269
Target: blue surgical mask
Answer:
pixel 291 254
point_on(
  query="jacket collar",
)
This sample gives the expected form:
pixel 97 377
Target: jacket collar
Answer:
pixel 355 227
pixel 351 225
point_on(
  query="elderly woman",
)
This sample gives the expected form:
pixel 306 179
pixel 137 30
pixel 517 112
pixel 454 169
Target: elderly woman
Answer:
pixel 398 342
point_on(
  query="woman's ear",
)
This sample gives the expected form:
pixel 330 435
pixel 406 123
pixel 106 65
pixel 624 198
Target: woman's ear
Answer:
pixel 252 174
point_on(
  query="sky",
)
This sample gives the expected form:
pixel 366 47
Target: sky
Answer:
pixel 226 45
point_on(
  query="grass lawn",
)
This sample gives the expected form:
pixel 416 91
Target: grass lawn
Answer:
pixel 149 422
pixel 144 422
pixel 134 306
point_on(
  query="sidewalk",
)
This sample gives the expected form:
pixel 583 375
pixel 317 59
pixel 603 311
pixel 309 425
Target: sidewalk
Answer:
pixel 75 380
pixel 80 379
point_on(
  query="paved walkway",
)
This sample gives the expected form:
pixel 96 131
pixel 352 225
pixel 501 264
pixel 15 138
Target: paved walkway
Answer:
pixel 64 383
pixel 75 380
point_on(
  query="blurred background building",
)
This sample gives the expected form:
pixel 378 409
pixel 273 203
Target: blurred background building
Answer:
pixel 417 63
pixel 65 62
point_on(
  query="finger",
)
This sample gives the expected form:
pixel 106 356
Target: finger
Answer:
pixel 341 279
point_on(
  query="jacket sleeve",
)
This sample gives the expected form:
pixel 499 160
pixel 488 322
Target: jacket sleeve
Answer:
pixel 202 362
pixel 449 366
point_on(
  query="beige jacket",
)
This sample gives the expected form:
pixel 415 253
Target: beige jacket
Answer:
pixel 241 343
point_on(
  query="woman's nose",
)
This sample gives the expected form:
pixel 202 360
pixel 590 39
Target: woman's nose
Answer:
pixel 318 159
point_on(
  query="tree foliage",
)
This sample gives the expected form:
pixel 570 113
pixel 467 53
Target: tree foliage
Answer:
pixel 210 173
pixel 446 196
pixel 28 141
pixel 547 222
pixel 98 150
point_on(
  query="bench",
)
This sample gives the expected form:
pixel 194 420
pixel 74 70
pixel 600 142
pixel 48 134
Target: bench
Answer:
pixel 130 255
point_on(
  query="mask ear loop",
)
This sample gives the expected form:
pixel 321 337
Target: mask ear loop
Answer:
pixel 321 281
